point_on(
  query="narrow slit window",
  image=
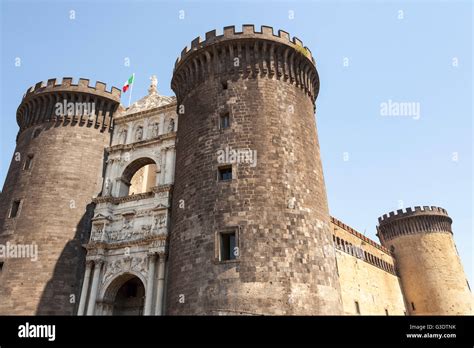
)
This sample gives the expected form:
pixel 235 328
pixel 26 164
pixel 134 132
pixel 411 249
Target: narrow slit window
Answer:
pixel 357 307
pixel 413 306
pixel 224 121
pixel 28 162
pixel 15 208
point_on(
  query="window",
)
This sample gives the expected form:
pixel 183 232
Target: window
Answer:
pixel 227 246
pixel 357 307
pixel 28 162
pixel 386 311
pixel 225 173
pixel 15 208
pixel 224 85
pixel 1 266
pixel 413 306
pixel 224 121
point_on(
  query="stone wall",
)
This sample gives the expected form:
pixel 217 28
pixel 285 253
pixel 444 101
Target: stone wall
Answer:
pixel 366 274
pixel 277 207
pixel 56 195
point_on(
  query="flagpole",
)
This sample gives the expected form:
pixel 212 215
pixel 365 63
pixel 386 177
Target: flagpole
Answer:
pixel 131 90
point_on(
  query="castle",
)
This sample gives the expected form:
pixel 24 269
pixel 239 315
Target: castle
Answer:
pixel 212 202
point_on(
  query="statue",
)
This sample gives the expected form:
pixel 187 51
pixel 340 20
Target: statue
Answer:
pixel 156 129
pixel 107 187
pixel 171 125
pixel 123 136
pixel 139 133
pixel 153 86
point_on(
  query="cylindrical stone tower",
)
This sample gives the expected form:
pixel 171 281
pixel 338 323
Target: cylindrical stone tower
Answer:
pixel 431 273
pixel 45 202
pixel 250 222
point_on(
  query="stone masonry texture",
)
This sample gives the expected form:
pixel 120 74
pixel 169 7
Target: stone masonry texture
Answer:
pixel 286 262
pixel 432 277
pixel 55 211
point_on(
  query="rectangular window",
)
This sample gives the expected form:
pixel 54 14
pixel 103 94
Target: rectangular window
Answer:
pixel 28 162
pixel 1 267
pixel 14 209
pixel 413 306
pixel 227 246
pixel 225 173
pixel 386 311
pixel 224 85
pixel 357 307
pixel 224 121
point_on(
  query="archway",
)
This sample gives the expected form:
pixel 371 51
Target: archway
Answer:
pixel 127 295
pixel 138 177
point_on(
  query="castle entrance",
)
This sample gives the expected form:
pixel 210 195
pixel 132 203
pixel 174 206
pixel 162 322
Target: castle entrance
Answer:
pixel 127 294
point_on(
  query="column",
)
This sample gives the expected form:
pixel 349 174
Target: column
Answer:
pixel 94 288
pixel 161 285
pixel 162 124
pixel 169 166
pixel 163 167
pixel 85 287
pixel 149 284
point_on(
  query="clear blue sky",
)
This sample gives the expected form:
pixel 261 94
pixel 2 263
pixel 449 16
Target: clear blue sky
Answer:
pixel 391 159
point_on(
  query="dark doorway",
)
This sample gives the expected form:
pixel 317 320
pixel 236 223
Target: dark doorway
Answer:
pixel 130 298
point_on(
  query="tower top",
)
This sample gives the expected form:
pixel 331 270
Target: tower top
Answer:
pixel 67 85
pixel 39 103
pixel 248 32
pixel 416 211
pixel 418 220
pixel 248 54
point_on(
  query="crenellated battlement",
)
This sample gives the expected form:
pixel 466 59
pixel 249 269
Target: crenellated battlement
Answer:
pixel 67 84
pixel 248 32
pixel 68 102
pixel 359 235
pixel 248 53
pixel 418 210
pixel 419 219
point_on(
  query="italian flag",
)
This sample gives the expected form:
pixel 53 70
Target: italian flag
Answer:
pixel 127 83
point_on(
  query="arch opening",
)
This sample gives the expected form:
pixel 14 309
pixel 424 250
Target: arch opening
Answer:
pixel 127 295
pixel 139 177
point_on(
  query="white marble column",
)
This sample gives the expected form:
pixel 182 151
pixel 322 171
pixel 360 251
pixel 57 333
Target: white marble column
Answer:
pixel 149 285
pixel 94 288
pixel 162 180
pixel 162 124
pixel 85 288
pixel 169 166
pixel 161 285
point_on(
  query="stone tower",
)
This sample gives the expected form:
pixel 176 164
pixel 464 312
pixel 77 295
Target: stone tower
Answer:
pixel 54 173
pixel 250 223
pixel 432 277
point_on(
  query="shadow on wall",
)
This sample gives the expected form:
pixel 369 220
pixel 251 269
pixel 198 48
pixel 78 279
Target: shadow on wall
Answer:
pixel 62 292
